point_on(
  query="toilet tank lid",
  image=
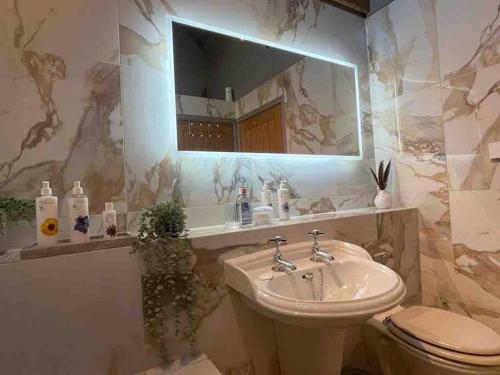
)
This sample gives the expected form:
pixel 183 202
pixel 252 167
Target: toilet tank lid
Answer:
pixel 448 330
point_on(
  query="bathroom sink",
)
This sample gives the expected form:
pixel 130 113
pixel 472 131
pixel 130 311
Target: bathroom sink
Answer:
pixel 344 292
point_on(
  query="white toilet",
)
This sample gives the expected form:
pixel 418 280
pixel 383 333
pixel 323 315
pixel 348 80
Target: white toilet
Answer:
pixel 427 341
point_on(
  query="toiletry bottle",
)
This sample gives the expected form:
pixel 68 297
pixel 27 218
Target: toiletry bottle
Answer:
pixel 47 223
pixel 283 201
pixel 78 216
pixel 109 221
pixel 243 208
pixel 266 195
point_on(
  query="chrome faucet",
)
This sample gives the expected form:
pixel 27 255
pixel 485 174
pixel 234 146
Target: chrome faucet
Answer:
pixel 280 264
pixel 317 254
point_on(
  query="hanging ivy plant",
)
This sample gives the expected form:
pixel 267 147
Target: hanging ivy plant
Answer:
pixel 168 279
pixel 14 210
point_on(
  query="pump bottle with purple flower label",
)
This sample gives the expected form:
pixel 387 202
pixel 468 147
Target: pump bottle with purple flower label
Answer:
pixel 78 215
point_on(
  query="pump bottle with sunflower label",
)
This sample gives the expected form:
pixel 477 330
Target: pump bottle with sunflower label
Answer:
pixel 79 221
pixel 47 223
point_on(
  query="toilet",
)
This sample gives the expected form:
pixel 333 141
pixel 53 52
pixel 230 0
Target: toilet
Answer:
pixel 426 341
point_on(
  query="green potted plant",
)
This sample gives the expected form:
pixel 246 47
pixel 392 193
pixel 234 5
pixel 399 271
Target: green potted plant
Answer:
pixel 14 210
pixel 168 279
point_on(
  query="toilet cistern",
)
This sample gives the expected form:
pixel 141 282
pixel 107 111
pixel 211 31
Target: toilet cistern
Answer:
pixel 317 254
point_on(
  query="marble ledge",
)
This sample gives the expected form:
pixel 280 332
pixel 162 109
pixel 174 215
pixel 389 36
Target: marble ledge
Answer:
pixel 126 240
pixel 221 229
pixel 64 247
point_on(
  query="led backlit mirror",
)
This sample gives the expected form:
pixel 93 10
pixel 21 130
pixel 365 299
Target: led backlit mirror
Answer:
pixel 235 95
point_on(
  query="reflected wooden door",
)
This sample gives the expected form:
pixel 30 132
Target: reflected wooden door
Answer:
pixel 263 132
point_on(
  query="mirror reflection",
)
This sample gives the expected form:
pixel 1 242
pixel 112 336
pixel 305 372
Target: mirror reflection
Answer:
pixel 235 95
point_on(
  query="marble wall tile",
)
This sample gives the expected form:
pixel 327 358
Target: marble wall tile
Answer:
pixel 62 104
pixel 403 48
pixel 467 44
pixel 437 137
pixel 214 180
pixel 419 115
pixel 471 123
pixel 314 177
pixel 36 26
pixel 482 233
pixel 205 107
pixel 310 118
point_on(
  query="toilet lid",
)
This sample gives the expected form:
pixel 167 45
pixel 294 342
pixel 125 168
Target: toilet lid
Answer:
pixel 448 330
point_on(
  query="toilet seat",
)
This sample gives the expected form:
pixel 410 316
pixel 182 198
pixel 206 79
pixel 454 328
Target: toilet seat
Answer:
pixel 447 335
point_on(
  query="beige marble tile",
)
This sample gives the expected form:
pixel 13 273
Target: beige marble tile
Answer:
pixel 402 43
pixel 461 128
pixel 204 107
pixel 481 233
pixel 419 116
pixel 467 44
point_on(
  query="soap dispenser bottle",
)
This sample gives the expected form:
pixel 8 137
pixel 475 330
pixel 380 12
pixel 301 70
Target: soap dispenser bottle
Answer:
pixel 109 220
pixel 283 201
pixel 266 195
pixel 47 223
pixel 78 216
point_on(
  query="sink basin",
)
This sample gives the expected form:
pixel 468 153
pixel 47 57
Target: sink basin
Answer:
pixel 312 306
pixel 345 292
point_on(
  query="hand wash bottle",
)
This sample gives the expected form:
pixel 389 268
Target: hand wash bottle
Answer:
pixel 109 220
pixel 47 223
pixel 78 217
pixel 243 208
pixel 283 201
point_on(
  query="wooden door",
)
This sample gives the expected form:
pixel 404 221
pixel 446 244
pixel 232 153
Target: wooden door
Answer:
pixel 205 135
pixel 263 132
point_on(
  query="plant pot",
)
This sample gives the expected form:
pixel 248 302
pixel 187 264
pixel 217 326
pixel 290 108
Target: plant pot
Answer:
pixel 383 200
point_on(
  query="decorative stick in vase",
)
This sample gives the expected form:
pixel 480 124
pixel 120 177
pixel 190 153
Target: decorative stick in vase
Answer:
pixel 383 199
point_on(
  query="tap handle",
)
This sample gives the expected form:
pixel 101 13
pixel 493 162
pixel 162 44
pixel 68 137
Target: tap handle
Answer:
pixel 315 234
pixel 278 240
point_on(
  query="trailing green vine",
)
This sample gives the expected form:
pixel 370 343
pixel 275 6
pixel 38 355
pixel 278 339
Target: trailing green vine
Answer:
pixel 14 210
pixel 168 278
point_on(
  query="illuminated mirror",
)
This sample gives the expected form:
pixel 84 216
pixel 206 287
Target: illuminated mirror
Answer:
pixel 236 95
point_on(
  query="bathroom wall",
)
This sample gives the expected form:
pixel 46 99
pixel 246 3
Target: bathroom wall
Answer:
pixel 434 76
pixel 81 313
pixel 60 110
pixel 86 96
pixel 205 181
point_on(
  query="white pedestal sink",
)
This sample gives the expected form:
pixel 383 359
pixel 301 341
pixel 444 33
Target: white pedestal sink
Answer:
pixel 312 305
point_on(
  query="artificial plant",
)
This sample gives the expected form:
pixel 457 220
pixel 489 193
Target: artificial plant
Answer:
pixel 14 210
pixel 382 177
pixel 168 279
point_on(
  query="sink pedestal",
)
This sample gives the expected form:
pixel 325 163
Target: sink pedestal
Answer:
pixel 309 350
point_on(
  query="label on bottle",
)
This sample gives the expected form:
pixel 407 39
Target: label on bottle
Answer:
pixel 79 219
pixel 109 220
pixel 245 213
pixel 46 221
pixel 284 207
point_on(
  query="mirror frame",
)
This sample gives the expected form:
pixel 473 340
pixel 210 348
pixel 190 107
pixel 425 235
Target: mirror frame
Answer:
pixel 172 92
